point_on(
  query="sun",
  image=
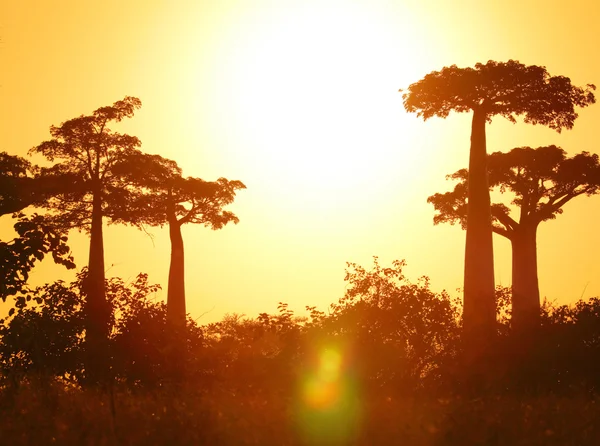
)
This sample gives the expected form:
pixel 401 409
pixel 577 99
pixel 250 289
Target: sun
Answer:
pixel 312 94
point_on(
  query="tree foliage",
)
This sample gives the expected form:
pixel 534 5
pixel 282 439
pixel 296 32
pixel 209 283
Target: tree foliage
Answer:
pixel 162 192
pixel 509 89
pixel 541 181
pixel 44 330
pixel 87 149
pixel 35 239
pixel 14 171
pixel 43 336
pixel 24 184
pixel 403 331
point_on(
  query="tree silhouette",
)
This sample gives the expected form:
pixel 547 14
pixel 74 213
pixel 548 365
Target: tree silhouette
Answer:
pixel 507 89
pixel 193 200
pixel 406 332
pixel 542 180
pixel 88 149
pixel 164 196
pixel 42 334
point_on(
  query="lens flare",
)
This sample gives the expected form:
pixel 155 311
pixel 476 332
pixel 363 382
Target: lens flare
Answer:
pixel 328 410
pixel 330 365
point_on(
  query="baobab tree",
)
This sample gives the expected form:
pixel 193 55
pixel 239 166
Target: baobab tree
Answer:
pixel 507 89
pixel 542 181
pixel 164 197
pixel 86 148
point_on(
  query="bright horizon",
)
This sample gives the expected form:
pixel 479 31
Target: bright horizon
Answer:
pixel 299 100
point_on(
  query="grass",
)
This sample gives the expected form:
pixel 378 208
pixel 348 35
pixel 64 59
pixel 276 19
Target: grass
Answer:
pixel 33 415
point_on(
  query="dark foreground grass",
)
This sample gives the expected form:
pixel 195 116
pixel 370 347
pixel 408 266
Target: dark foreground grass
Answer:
pixel 70 416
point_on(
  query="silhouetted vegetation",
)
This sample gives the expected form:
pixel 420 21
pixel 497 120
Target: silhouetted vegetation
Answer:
pixel 379 366
pixel 507 89
pixel 21 186
pixel 88 149
pixel 542 181
pixel 101 360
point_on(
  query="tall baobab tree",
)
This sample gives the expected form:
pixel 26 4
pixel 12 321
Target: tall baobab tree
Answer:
pixel 507 89
pixel 541 182
pixel 86 148
pixel 164 196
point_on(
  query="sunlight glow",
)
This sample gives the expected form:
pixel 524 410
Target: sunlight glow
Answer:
pixel 312 93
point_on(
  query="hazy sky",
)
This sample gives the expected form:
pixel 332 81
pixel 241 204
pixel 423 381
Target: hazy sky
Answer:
pixel 299 100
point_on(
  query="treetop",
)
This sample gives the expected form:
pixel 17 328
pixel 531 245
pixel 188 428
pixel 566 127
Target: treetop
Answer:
pixel 507 89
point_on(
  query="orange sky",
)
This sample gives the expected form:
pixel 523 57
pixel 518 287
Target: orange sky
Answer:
pixel 299 100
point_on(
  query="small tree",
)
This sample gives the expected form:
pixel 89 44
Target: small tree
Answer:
pixel 542 181
pixel 86 148
pixel 507 89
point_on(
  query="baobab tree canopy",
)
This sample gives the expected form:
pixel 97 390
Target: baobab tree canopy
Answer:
pixel 508 89
pixel 541 180
pixel 161 191
pixel 86 148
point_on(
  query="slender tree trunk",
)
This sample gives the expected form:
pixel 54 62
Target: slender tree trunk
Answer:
pixel 176 288
pixel 525 286
pixel 97 310
pixel 479 290
pixel 176 314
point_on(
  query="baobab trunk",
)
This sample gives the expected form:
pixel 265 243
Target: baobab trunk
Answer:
pixel 176 304
pixel 176 288
pixel 525 286
pixel 479 290
pixel 97 310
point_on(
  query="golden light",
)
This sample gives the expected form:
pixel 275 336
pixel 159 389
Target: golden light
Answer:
pixel 309 90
